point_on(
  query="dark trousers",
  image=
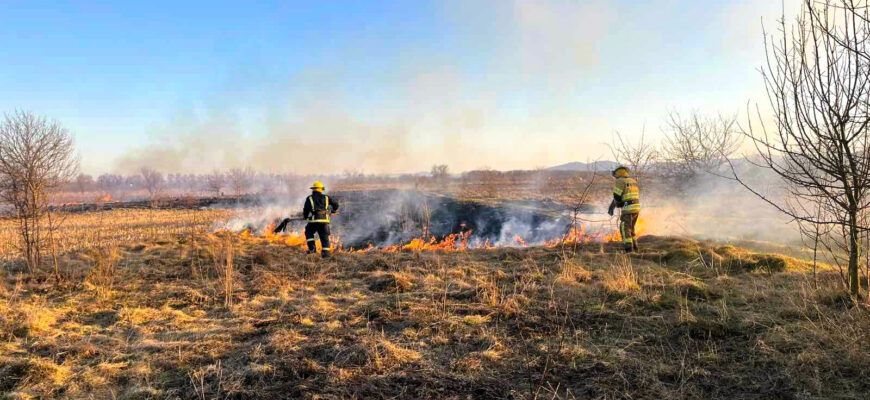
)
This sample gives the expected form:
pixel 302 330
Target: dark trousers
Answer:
pixel 322 230
pixel 627 222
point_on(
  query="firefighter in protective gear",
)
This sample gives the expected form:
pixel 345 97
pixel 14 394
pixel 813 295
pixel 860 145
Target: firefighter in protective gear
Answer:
pixel 626 195
pixel 316 210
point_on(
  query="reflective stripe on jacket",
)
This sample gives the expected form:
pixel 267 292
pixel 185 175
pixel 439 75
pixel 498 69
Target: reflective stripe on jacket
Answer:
pixel 627 194
pixel 313 216
pixel 318 207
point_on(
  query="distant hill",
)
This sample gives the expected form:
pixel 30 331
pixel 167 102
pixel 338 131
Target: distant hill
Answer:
pixel 585 167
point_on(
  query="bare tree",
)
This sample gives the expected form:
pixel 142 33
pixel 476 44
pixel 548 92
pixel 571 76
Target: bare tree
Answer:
pixel 485 182
pixel 36 157
pixel 83 183
pixel 109 183
pixel 441 175
pixel 818 87
pixel 241 180
pixel 215 182
pixel 153 182
pixel 638 156
pixel 698 143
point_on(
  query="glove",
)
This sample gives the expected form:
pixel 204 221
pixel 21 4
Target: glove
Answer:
pixel 611 208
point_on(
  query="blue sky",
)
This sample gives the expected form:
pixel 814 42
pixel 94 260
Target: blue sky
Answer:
pixel 378 86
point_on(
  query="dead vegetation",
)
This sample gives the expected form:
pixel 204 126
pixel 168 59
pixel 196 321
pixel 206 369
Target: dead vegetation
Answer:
pixel 682 319
pixel 115 227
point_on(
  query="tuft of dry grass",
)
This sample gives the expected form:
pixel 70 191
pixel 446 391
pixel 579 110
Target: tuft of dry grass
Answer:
pixel 621 278
pixel 101 277
pixel 572 271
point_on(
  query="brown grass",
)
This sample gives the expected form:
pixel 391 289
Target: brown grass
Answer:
pixel 682 319
pixel 115 227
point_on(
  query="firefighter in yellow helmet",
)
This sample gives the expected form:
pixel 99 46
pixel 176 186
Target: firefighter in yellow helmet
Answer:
pixel 316 210
pixel 626 195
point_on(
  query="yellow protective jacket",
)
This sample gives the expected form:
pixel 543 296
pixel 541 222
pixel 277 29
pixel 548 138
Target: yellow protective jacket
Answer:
pixel 626 194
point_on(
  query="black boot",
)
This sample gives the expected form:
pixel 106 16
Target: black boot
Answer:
pixel 325 254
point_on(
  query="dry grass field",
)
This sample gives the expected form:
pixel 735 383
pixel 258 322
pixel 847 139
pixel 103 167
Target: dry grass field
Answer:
pixel 179 313
pixel 114 227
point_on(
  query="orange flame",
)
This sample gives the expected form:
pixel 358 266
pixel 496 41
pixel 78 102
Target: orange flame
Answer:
pixel 295 239
pixel 617 237
pixel 453 242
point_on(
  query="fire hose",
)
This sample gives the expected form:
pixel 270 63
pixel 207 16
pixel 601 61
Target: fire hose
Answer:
pixel 599 221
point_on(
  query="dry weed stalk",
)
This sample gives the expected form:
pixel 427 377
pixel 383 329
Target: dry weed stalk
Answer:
pixel 102 275
pixel 221 250
pixel 685 312
pixel 228 275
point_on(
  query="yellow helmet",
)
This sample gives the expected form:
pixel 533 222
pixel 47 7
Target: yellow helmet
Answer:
pixel 317 186
pixel 620 172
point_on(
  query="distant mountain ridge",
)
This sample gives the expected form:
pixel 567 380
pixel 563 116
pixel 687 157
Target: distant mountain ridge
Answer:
pixel 585 167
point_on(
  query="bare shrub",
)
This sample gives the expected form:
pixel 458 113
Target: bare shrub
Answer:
pixel 36 157
pixel 698 143
pixel 578 193
pixel 638 156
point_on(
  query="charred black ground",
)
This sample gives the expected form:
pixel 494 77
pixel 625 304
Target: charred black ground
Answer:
pixel 385 217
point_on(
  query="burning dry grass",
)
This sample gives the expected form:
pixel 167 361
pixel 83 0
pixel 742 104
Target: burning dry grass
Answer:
pixel 682 319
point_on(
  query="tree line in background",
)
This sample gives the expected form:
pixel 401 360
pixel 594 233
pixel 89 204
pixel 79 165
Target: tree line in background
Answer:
pixel 151 183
